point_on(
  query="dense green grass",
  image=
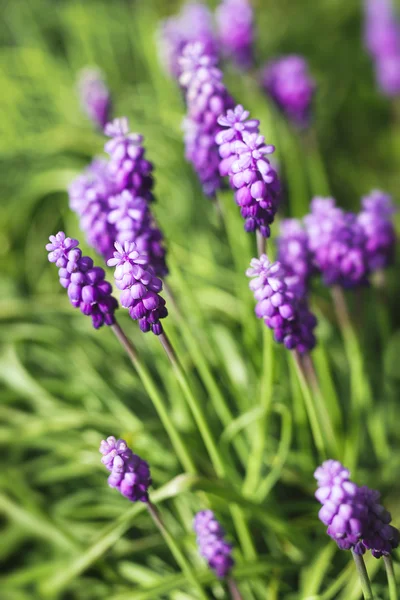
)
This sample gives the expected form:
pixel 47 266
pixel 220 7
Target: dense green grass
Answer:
pixel 65 386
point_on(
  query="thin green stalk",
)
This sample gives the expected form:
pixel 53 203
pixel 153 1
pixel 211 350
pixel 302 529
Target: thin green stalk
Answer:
pixel 315 165
pixel 178 444
pixel 363 575
pixel 234 590
pixel 390 577
pixel 176 551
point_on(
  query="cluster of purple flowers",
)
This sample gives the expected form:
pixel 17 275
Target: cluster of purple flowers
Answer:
pixel 212 544
pixel 288 82
pixel 244 160
pixel 140 287
pixel 129 474
pixel 206 99
pixel 94 96
pixel 235 30
pixel 282 304
pixel 112 198
pixel 85 284
pixel 354 516
pixel 382 40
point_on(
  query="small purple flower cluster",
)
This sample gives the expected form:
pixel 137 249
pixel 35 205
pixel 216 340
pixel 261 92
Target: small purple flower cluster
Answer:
pixel 288 82
pixel 294 252
pixel 94 96
pixel 129 474
pixel 382 40
pixel 140 287
pixel 355 518
pixel 244 160
pixel 212 544
pixel 85 283
pixel 282 304
pixel 235 30
pixel 206 98
pixel 376 219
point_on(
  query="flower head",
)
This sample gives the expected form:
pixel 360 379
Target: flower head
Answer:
pixel 129 474
pixel 376 220
pixel 94 96
pixel 293 250
pixel 235 29
pixel 212 544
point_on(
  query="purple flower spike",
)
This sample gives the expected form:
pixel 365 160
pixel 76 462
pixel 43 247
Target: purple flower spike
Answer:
pixel 282 305
pixel 211 542
pixel 376 220
pixel 235 28
pixel 94 96
pixel 140 287
pixel 206 99
pixel 288 82
pixel 380 537
pixel 293 250
pixel 129 474
pixel 85 284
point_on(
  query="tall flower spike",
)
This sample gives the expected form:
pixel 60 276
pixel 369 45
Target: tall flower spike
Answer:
pixel 212 544
pixel 85 284
pixel 206 99
pixel 288 82
pixel 140 287
pixel 293 250
pixel 244 159
pixel 129 474
pixel 94 96
pixel 282 305
pixel 376 219
pixel 235 29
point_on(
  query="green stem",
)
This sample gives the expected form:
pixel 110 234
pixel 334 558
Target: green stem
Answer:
pixel 178 444
pixel 315 165
pixel 363 575
pixel 390 577
pixel 234 590
pixel 176 551
pixel 261 243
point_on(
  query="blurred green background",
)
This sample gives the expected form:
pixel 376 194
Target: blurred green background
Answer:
pixel 64 386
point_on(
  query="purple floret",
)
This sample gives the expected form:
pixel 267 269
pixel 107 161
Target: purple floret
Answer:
pixel 94 96
pixel 288 82
pixel 85 284
pixel 376 220
pixel 129 474
pixel 212 544
pixel 235 29
pixel 294 252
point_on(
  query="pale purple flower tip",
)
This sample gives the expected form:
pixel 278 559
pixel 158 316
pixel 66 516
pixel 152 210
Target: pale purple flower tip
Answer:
pixel 94 96
pixel 85 284
pixel 376 219
pixel 282 304
pixel 235 30
pixel 211 542
pixel 140 287
pixel 129 474
pixel 288 82
pixel 243 153
pixel 293 250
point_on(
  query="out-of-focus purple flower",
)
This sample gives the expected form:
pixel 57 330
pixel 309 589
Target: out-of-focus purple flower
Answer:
pixel 211 542
pixel 140 287
pixel 376 219
pixel 379 536
pixel 244 159
pixel 288 82
pixel 338 244
pixel 129 474
pixel 128 166
pixel 293 250
pixel 85 283
pixel 235 29
pixel 89 198
pixel 206 99
pixel 94 96
pixel 282 305
pixel 387 68
pixel 192 24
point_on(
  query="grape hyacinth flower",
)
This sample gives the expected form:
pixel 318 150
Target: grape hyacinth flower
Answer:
pixel 94 96
pixel 379 536
pixel 376 219
pixel 89 197
pixel 338 244
pixel 140 287
pixel 288 82
pixel 282 305
pixel 192 24
pixel 129 474
pixel 235 29
pixel 206 98
pixel 211 542
pixel 294 252
pixel 85 284
pixel 243 155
